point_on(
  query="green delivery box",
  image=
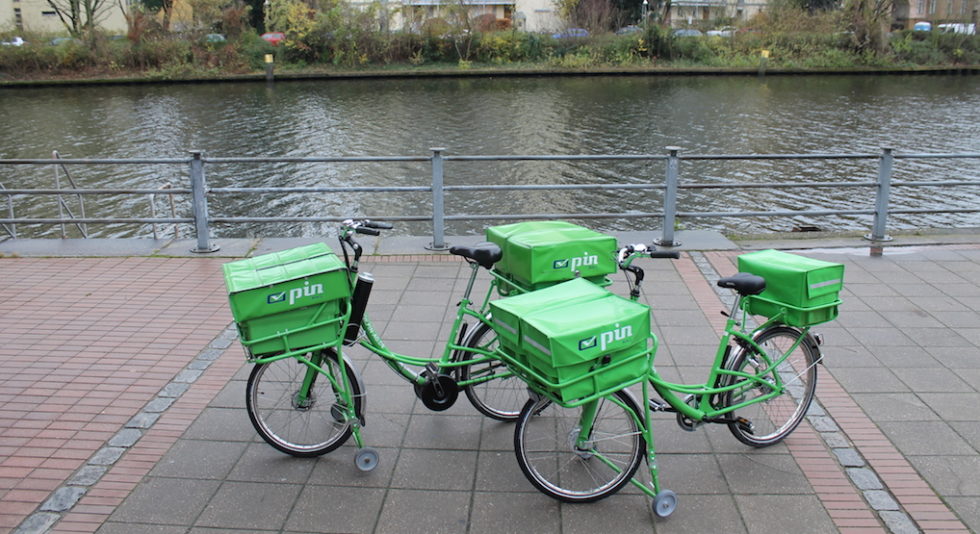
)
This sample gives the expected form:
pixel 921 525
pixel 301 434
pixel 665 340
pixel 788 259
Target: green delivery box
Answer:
pixel 577 336
pixel 807 290
pixel 537 254
pixel 588 346
pixel 506 313
pixel 288 300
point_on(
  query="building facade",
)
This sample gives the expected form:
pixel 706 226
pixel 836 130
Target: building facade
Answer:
pixel 38 17
pixel 908 12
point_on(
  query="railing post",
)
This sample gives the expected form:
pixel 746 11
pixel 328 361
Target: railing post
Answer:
pixel 670 200
pixel 881 197
pixel 438 203
pixel 12 227
pixel 200 203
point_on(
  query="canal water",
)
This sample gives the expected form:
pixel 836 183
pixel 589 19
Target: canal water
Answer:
pixel 504 116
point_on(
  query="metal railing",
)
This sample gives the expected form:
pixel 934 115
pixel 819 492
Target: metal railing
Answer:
pixel 201 218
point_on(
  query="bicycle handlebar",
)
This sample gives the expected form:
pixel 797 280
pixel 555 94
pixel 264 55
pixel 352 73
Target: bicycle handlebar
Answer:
pixel 378 225
pixel 366 230
pixel 667 254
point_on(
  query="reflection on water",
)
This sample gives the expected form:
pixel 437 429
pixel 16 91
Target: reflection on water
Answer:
pixel 573 115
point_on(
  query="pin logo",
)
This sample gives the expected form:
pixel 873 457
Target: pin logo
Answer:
pixel 296 293
pixel 606 338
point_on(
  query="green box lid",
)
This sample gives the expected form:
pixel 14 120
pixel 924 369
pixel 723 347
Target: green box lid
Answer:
pixel 277 267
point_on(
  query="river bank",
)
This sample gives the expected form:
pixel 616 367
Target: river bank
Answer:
pixel 772 49
pixel 452 71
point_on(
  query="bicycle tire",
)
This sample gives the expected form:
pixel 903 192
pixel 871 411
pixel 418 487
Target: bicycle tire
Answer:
pixel 772 420
pixel 544 441
pixel 500 398
pixel 312 429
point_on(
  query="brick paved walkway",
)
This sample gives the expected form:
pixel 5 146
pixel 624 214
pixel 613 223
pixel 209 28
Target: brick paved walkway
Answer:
pixel 92 346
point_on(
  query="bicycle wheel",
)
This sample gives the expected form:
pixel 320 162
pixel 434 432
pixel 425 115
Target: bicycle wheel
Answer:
pixel 768 422
pixel 545 443
pixel 305 428
pixel 500 398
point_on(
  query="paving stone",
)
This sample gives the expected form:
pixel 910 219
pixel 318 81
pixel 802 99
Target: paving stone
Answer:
pixel 864 478
pixel 159 404
pixel 835 440
pixel 823 424
pixel 260 506
pixel 434 469
pixel 926 438
pixel 779 514
pixel 200 459
pixel 38 523
pixel 106 456
pixel 407 511
pixel 211 354
pixel 87 475
pixel 174 389
pixel 849 457
pixel 126 437
pixel 166 501
pixel 143 420
pixel 199 365
pixel 762 474
pixel 63 499
pixel 899 523
pixel 880 500
pixel 361 508
pixel 188 375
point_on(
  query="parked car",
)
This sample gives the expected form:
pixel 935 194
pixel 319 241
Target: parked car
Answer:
pixel 726 31
pixel 958 27
pixel 571 33
pixel 687 32
pixel 626 30
pixel 214 38
pixel 922 27
pixel 273 38
pixel 16 41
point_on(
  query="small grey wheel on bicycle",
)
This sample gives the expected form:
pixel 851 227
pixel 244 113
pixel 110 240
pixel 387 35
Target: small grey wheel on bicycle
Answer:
pixel 563 466
pixel 768 422
pixel 366 459
pixel 499 397
pixel 301 425
pixel 665 503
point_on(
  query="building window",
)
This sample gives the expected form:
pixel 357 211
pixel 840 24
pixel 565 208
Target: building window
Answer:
pixel 18 19
pixel 49 13
pixel 932 7
pixel 920 6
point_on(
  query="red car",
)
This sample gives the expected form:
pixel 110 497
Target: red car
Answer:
pixel 274 38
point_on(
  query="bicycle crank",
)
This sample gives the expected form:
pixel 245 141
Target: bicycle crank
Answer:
pixel 685 422
pixel 438 393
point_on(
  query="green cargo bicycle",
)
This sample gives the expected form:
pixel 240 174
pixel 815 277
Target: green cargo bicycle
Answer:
pixel 297 309
pixel 583 435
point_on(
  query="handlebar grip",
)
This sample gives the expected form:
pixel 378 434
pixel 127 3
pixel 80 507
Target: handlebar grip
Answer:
pixel 671 254
pixel 366 231
pixel 378 225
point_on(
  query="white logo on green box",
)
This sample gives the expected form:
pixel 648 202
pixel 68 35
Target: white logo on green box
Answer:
pixel 604 339
pixel 574 263
pixel 296 293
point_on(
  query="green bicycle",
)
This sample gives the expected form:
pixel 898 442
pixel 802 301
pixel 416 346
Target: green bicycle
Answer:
pixel 296 309
pixel 582 448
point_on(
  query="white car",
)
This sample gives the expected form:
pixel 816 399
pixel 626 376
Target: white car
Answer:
pixel 727 31
pixel 16 41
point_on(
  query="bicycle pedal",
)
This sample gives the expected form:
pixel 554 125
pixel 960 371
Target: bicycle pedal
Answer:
pixel 745 425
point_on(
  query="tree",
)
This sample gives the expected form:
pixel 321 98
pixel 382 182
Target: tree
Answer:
pixel 80 17
pixel 868 20
pixel 167 6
